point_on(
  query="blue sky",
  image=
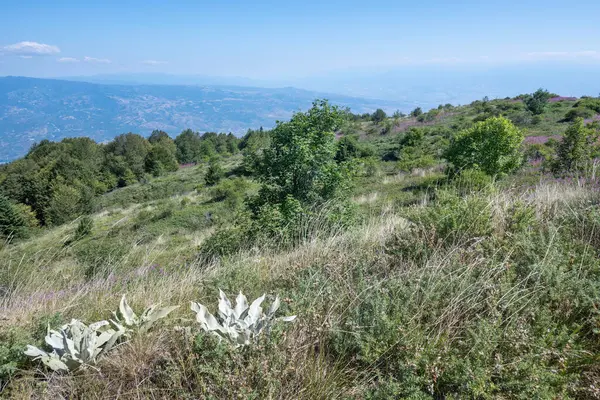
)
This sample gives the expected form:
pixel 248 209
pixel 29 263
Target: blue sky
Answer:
pixel 285 39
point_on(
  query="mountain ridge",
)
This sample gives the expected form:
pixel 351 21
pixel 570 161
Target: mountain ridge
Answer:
pixel 33 109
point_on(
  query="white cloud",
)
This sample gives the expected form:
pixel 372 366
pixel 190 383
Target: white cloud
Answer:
pixel 25 56
pixel 153 62
pixel 96 60
pixel 68 60
pixel 31 49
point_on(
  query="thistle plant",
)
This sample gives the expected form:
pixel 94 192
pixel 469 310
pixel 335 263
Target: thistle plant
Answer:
pixel 130 321
pixel 76 345
pixel 242 324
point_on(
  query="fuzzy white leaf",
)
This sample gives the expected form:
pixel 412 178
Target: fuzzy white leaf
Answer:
pixel 55 341
pixel 127 313
pixel 241 305
pixel 33 351
pixel 255 311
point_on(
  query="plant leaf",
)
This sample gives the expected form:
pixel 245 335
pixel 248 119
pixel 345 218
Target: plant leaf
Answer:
pixel 274 307
pixel 33 351
pixel 241 305
pixel 127 313
pixel 255 310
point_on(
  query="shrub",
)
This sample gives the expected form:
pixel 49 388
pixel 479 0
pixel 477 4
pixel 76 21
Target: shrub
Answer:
pixel 231 191
pixel 536 102
pixel 378 116
pixel 579 112
pixel 576 149
pixel 493 145
pixel 13 222
pixel 416 112
pixel 12 342
pixel 215 173
pixel 299 169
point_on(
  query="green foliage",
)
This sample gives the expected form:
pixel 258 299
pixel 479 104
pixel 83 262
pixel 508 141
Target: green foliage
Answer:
pixel 84 227
pixel 590 103
pixel 12 342
pixel 300 162
pixel 215 172
pixel 414 151
pixel 162 156
pixel 65 204
pixel 12 220
pixel 231 191
pixel 416 112
pixel 378 116
pixel 472 180
pixel 349 148
pixel 579 112
pixel 577 148
pixel 193 147
pixel 132 149
pixel 493 145
pixel 537 101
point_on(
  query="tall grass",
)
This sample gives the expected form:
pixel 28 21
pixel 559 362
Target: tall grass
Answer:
pixel 489 295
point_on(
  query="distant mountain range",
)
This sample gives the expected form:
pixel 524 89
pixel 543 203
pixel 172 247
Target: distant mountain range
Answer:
pixel 34 109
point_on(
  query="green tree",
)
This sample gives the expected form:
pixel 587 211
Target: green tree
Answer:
pixel 576 149
pixel 158 136
pixel 12 221
pixel 300 161
pixel 215 172
pixel 163 154
pixel 536 102
pixel 64 205
pixel 188 144
pixel 416 112
pixel 378 116
pixel 133 149
pixel 493 146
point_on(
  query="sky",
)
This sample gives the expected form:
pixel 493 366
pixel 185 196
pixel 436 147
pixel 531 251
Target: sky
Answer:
pixel 289 39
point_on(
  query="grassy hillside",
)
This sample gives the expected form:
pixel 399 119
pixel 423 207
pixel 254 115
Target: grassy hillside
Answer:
pixel 441 286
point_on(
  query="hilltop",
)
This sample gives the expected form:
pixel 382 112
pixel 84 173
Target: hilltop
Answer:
pixel 449 254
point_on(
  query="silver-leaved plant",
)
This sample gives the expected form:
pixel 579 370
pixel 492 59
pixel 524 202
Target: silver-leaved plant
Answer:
pixel 242 324
pixel 130 321
pixel 76 345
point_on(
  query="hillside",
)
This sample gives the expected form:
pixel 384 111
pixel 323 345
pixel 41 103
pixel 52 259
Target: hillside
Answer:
pixel 413 272
pixel 35 109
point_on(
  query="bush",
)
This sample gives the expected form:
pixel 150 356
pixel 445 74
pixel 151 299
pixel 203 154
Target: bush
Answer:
pixel 231 191
pixel 13 222
pixel 576 150
pixel 300 167
pixel 378 116
pixel 536 102
pixel 579 112
pixel 493 145
pixel 416 112
pixel 214 174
